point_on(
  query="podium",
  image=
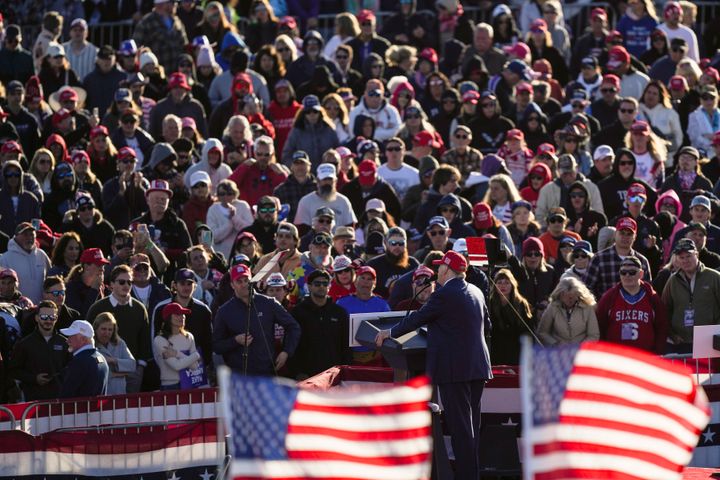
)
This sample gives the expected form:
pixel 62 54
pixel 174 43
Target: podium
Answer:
pixel 406 355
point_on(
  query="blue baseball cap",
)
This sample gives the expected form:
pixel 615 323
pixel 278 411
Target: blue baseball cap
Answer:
pixel 583 246
pixel 520 68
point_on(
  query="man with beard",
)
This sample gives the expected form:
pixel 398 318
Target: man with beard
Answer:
pixel 316 258
pixel 394 262
pixel 286 238
pixel 322 221
pixel 260 175
pixel 266 222
pixel 325 196
pixel 302 68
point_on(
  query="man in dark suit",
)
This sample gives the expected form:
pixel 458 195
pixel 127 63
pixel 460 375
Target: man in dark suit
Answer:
pixel 458 360
pixel 87 373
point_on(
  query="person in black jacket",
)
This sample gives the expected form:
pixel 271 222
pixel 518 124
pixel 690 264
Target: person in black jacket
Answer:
pixel 402 27
pixel 581 219
pixel 53 291
pixel 39 358
pixel 88 222
pixel 124 195
pixel 324 325
pixel 87 373
pixel 614 134
pixel 614 187
pixel 368 41
pixel 537 277
pixel 368 185
pixel 688 180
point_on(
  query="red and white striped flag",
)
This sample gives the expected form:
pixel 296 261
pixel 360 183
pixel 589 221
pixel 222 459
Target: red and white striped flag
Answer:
pixel 604 411
pixel 280 431
pixel 477 251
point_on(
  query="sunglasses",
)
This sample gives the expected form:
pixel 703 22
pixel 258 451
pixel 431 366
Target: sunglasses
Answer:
pixel 396 243
pixel 320 284
pixel 579 255
pixel 266 210
pixel 412 117
pixel 339 57
pixel 45 316
pixel 535 177
pixel 628 273
pixel 85 208
pixel 124 282
pixel 488 105
pixel 627 110
pixel 578 195
pixel 325 221
pixel 128 120
pixel 15 175
pixel 636 199
pixel 534 254
pixel 608 90
pixel 435 233
pixel 626 163
pixel 374 94
pixel 56 293
pixel 556 220
pixel 393 149
pixel 420 281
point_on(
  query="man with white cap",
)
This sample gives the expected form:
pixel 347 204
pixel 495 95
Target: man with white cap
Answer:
pixel 87 373
pixel 603 159
pixel 80 53
pixel 325 196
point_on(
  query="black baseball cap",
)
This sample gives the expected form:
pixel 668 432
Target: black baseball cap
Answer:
pixel 318 274
pixel 684 245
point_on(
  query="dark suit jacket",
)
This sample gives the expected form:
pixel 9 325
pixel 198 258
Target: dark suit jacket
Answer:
pixel 86 375
pixel 456 347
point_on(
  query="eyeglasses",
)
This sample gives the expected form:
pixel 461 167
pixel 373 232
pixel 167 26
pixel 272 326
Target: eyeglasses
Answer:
pixel 56 293
pixel 435 233
pixel 15 175
pixel 575 256
pixel 628 273
pixel 578 195
pixel 325 221
pixel 461 137
pixel 46 316
pixel 123 282
pixel 436 83
pixel 534 254
pixel 556 219
pixel 393 149
pixel 320 284
pixel 266 210
pixel 627 110
pixel 626 163
pixel 85 208
pixel 396 243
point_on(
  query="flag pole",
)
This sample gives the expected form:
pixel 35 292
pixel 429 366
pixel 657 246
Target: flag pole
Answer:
pixel 526 360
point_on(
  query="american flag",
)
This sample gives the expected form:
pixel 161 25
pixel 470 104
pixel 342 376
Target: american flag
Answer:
pixel 280 431
pixel 477 251
pixel 605 411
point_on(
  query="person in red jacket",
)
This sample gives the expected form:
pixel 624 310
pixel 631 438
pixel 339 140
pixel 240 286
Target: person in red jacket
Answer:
pixel 194 211
pixel 343 281
pixel 631 312
pixel 282 112
pixel 259 176
pixel 538 176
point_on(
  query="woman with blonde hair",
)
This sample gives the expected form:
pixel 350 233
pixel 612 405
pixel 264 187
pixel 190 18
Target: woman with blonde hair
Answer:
pixel 286 48
pixel 650 153
pixel 337 112
pixel 103 154
pixel 512 317
pixel 115 351
pixel 570 316
pixel 263 26
pixel 688 68
pixel 41 167
pixel 215 24
pixel 501 194
pixel 400 60
pixel 346 28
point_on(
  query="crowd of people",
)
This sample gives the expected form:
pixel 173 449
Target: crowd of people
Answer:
pixel 145 184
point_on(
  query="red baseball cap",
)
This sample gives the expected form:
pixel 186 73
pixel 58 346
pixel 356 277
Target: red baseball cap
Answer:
pixel 598 13
pixel 626 223
pixel 678 82
pixel 547 149
pixel 94 256
pixel 364 15
pixel 238 271
pixel 423 271
pixel 515 134
pixel 67 94
pixel 11 146
pixel 366 269
pixel 637 190
pixel 99 130
pixel 613 36
pixel 611 79
pixel 538 25
pixel 542 66
pixel 10 273
pixel 712 72
pixel 716 139
pixel 519 50
pixel 455 261
pixel 288 22
pixel 126 152
pixel 640 127
pixel 60 115
pixel 367 172
pixel 482 215
pixel 533 244
pixel 174 309
pixel 425 139
pixel 243 235
pixel 617 56
pixel 524 87
pixel 429 54
pixel 80 156
pixel 178 80
pixel 471 96
pixel 672 6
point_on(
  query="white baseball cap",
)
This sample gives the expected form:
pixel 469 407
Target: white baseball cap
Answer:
pixel 460 246
pixel 603 151
pixel 276 280
pixel 326 170
pixel 198 177
pixel 79 326
pixel 375 204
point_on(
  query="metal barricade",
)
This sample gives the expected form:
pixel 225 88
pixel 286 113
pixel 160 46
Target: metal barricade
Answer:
pixel 702 368
pixel 4 411
pixel 47 416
